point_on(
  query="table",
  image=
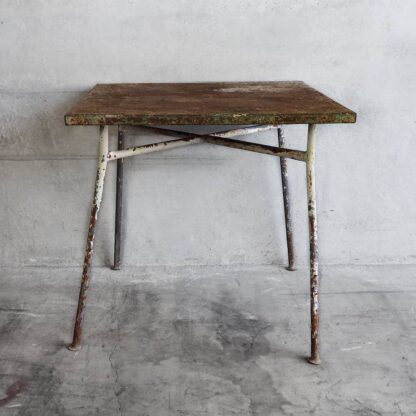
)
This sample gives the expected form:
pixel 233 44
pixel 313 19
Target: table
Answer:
pixel 257 105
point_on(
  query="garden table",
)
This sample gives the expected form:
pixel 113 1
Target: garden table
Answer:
pixel 256 105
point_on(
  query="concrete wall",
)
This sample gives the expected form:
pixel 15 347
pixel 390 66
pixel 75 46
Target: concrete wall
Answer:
pixel 204 204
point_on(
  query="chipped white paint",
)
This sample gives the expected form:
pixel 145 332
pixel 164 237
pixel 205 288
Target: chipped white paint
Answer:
pixel 313 244
pixel 102 166
pixel 244 131
pixel 222 138
pixel 310 178
pixel 150 148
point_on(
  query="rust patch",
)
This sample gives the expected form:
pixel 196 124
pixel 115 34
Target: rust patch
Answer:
pixel 11 392
pixel 85 280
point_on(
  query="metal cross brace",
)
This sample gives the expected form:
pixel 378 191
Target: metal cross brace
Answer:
pixel 223 139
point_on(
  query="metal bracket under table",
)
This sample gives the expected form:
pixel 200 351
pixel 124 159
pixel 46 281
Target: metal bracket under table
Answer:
pixel 261 105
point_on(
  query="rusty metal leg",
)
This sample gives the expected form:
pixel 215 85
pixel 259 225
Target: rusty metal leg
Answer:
pixel 286 204
pixel 119 204
pixel 313 246
pixel 85 280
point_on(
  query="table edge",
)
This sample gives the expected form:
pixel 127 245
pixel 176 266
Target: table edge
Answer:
pixel 76 119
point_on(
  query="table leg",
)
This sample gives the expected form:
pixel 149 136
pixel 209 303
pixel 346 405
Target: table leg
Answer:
pixel 119 204
pixel 286 203
pixel 85 280
pixel 313 245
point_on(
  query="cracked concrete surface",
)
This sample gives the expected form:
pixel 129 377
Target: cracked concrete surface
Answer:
pixel 208 341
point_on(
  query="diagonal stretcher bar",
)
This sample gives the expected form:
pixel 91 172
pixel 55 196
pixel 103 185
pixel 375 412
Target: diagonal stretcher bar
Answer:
pixel 222 139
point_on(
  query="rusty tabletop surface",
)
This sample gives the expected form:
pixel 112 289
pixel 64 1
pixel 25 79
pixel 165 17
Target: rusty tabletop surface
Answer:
pixel 214 103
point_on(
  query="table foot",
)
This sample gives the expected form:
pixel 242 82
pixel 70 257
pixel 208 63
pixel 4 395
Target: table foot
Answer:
pixel 315 361
pixel 74 347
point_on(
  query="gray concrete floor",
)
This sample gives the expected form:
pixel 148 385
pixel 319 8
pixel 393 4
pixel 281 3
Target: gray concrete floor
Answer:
pixel 208 341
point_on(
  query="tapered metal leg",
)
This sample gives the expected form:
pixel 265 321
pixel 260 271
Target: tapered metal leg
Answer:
pixel 313 246
pixel 85 280
pixel 286 204
pixel 119 204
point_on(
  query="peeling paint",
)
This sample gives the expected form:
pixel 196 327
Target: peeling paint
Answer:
pixel 313 245
pixel 154 147
pixel 209 138
pixel 85 279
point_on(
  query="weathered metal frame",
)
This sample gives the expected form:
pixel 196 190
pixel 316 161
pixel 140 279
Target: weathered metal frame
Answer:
pixel 313 245
pixel 223 139
pixel 119 203
pixel 286 203
pixel 96 203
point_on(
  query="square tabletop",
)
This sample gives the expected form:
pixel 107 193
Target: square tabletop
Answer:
pixel 213 103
